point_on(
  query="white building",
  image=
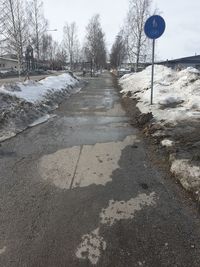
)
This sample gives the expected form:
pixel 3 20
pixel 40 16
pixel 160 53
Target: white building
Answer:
pixel 8 64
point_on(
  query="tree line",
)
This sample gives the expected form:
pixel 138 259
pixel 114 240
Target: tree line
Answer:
pixel 22 23
pixel 131 44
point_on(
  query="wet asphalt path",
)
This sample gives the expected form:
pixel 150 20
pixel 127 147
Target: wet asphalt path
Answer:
pixel 81 191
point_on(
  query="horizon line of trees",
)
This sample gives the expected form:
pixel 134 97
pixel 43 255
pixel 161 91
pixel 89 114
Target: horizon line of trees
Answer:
pixel 131 44
pixel 23 24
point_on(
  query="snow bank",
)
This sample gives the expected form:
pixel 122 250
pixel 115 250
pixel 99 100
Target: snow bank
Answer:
pixel 27 104
pixel 176 93
pixel 176 107
pixel 36 91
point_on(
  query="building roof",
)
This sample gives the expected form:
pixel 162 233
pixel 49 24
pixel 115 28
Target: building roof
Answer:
pixel 190 60
pixel 9 59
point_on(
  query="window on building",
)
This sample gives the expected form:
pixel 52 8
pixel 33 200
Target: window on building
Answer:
pixel 4 65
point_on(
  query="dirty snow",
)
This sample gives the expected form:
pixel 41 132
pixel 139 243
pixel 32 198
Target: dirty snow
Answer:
pixel 33 92
pixel 176 93
pixel 176 106
pixel 167 143
pixel 27 104
pixel 92 244
pixel 190 174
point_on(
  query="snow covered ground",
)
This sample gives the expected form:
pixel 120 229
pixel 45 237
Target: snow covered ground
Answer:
pixel 27 104
pixel 176 93
pixel 176 109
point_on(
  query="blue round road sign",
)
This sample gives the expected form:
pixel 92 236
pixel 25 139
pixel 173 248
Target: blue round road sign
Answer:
pixel 154 27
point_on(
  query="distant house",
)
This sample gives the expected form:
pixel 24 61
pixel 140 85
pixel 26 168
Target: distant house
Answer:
pixel 181 63
pixel 8 63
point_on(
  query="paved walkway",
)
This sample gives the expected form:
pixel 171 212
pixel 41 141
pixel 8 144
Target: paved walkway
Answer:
pixel 81 191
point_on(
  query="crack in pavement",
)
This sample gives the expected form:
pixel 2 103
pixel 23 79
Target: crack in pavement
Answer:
pixel 72 181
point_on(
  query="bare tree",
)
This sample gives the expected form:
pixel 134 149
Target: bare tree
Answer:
pixel 2 24
pixel 45 47
pixel 60 57
pixel 38 24
pixel 136 41
pixel 15 28
pixel 95 48
pixel 118 51
pixel 70 41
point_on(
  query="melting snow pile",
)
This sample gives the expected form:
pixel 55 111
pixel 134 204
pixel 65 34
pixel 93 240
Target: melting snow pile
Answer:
pixel 176 112
pixel 34 92
pixel 27 104
pixel 176 93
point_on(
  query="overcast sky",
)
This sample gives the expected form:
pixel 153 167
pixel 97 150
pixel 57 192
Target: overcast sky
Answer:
pixel 181 38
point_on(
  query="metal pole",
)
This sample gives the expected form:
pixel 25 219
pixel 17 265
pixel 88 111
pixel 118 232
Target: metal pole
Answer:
pixel 152 74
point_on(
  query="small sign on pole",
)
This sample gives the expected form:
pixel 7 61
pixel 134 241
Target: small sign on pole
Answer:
pixel 154 28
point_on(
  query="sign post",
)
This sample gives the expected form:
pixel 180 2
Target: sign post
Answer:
pixel 152 71
pixel 154 28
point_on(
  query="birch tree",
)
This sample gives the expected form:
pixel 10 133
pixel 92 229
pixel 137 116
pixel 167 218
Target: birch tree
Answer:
pixel 136 41
pixel 118 51
pixel 15 28
pixel 38 24
pixel 70 41
pixel 45 46
pixel 95 47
